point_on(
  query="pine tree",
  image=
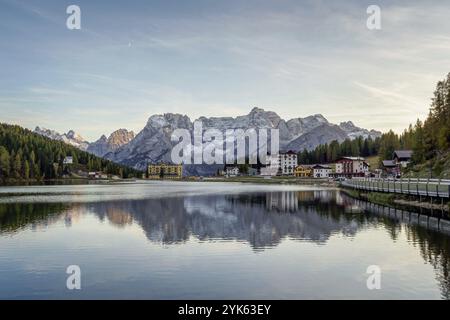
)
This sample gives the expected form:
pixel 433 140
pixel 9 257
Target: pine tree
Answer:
pixel 37 171
pixel 16 165
pixel 4 163
pixel 26 170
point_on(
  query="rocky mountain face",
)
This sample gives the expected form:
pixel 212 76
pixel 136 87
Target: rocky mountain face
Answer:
pixel 105 145
pixel 321 134
pixel 153 144
pixel 70 137
pixel 354 132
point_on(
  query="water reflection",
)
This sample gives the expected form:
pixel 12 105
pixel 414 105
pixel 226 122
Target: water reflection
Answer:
pixel 262 220
pixel 17 216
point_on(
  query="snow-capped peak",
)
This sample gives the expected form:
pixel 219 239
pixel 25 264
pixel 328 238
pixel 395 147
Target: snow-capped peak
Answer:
pixel 70 137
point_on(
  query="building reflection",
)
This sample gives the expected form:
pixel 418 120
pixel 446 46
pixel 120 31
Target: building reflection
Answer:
pixel 282 201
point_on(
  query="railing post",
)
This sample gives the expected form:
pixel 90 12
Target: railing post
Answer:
pixel 437 188
pixel 417 186
pixel 428 181
pixel 401 186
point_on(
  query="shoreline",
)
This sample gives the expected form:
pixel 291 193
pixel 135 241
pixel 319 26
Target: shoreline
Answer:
pixel 242 179
pixel 395 200
pixel 66 181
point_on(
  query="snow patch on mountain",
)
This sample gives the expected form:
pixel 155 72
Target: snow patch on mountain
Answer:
pixel 71 137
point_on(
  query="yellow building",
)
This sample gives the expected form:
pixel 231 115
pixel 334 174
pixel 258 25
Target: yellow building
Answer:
pixel 303 171
pixel 165 171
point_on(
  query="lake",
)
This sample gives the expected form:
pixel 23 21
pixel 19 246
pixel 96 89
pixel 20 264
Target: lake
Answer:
pixel 208 240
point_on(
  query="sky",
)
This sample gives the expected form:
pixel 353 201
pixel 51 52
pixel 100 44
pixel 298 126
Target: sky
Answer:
pixel 132 59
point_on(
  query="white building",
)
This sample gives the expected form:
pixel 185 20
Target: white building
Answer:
pixel 232 171
pixel 68 160
pixel 287 162
pixel 283 163
pixel 269 171
pixel 352 167
pixel 321 171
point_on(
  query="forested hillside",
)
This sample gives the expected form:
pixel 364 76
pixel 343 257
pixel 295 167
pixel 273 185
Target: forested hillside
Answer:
pixel 27 155
pixel 331 152
pixel 429 139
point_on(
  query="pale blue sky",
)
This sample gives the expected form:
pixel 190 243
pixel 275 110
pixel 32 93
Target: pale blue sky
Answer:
pixel 132 59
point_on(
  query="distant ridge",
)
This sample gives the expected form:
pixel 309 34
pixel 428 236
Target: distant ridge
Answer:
pixel 153 143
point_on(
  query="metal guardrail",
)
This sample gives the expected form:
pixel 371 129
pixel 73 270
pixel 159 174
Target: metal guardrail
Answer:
pixel 418 187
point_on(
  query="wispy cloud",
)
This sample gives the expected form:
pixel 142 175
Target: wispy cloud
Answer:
pixel 404 102
pixel 294 57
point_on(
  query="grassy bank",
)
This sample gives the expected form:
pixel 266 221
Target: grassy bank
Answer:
pixel 395 200
pixel 438 168
pixel 374 197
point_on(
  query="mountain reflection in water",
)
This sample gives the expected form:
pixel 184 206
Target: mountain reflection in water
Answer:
pixel 263 220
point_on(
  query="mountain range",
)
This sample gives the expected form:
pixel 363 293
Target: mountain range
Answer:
pixel 153 143
pixel 70 137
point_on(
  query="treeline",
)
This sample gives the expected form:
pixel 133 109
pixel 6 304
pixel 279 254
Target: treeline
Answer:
pixel 427 139
pixel 432 137
pixel 27 155
pixel 327 153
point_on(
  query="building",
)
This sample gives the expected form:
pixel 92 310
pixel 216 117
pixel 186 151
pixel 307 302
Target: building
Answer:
pixel 231 171
pixel 402 157
pixel 287 162
pixel 351 167
pixel 272 167
pixel 68 160
pixel 269 171
pixel 97 175
pixel 281 164
pixel 391 168
pixel 303 171
pixel 165 171
pixel 252 171
pixel 321 171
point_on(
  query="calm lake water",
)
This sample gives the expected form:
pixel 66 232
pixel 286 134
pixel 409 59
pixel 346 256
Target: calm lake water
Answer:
pixel 175 240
